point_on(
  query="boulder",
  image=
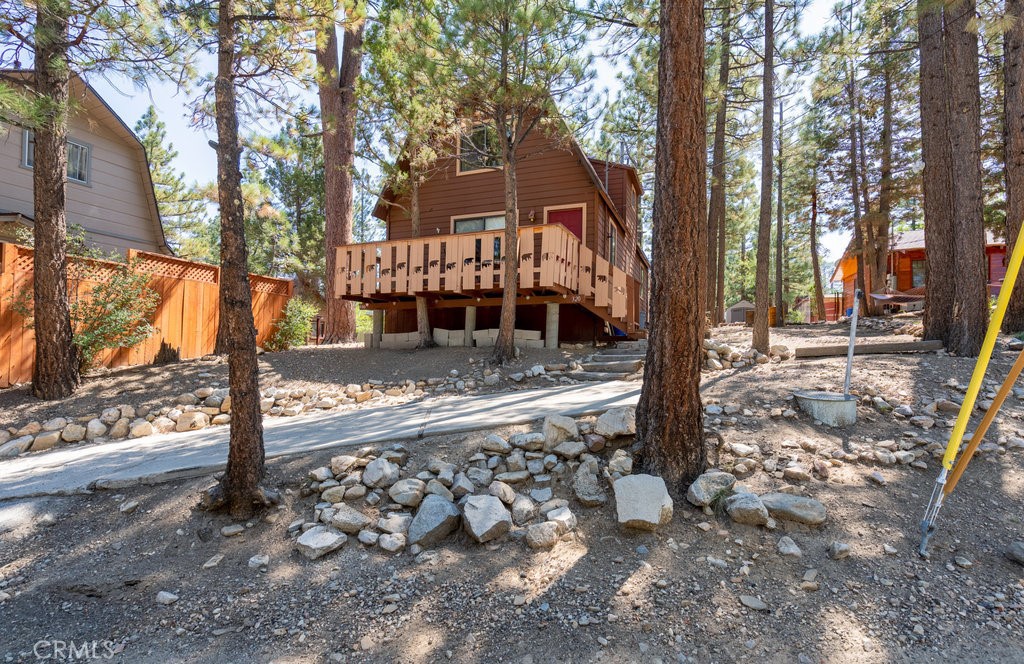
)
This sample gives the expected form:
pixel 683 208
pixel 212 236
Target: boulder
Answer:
pixel 502 492
pixel 343 463
pixel 620 463
pixel 787 547
pixel 318 541
pixel 531 442
pixel 348 519
pixel 435 519
pixel 45 440
pixel 587 486
pixel 408 492
pixel 393 542
pixel 542 535
pixel 558 429
pixel 570 449
pixel 94 428
pixel 110 415
pixel 642 502
pixel 746 508
pixel 120 428
pixel 334 494
pixel 73 433
pixel 396 522
pixel 523 509
pixel 495 444
pixel 1015 552
pixel 794 508
pixel 55 424
pixel 564 517
pixel 461 486
pixel 140 428
pixel 380 473
pixel 13 448
pixel 192 421
pixel 617 422
pixel 708 486
pixel 485 518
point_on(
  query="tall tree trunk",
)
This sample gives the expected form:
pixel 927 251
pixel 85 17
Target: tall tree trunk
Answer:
pixel 937 179
pixel 780 240
pixel 716 211
pixel 55 374
pixel 1013 128
pixel 858 222
pixel 422 313
pixel 669 417
pixel 239 486
pixel 883 220
pixel 819 292
pixel 504 345
pixel 337 94
pixel 720 290
pixel 874 278
pixel 761 341
pixel 970 303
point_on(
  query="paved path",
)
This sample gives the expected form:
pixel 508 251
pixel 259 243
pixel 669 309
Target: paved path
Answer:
pixel 177 455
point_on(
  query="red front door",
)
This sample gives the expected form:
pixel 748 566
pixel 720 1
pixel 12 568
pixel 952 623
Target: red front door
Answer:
pixel 571 218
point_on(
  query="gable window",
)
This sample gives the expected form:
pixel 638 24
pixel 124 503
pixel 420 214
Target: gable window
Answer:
pixel 478 149
pixel 613 247
pixel 916 273
pixel 79 156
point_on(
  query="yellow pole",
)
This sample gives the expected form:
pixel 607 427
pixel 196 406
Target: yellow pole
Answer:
pixel 986 422
pixel 957 436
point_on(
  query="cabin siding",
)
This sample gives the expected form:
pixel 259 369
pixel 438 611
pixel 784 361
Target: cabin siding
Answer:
pixel 115 207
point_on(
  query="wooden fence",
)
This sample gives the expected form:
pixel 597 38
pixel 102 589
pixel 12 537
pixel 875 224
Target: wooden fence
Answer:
pixel 186 316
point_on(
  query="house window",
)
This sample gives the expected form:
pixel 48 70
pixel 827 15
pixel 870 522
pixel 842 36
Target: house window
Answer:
pixel 916 273
pixel 480 224
pixel 79 155
pixel 478 149
pixel 613 247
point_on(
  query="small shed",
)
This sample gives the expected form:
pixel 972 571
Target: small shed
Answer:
pixel 737 313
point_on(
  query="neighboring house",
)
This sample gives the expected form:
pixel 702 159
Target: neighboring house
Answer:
pixel 737 313
pixel 583 274
pixel 906 272
pixel 109 191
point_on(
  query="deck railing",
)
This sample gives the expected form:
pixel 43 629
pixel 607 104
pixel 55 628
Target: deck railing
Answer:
pixel 550 257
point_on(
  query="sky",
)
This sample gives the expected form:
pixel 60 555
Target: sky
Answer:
pixel 196 158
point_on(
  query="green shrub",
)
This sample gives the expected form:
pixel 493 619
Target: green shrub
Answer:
pixel 295 326
pixel 115 313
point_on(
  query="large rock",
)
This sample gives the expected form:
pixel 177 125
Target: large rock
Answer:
pixel 45 440
pixel 485 518
pixel 587 486
pixel 94 428
pixel 408 492
pixel 13 448
pixel 523 509
pixel 708 486
pixel 502 492
pixel 558 429
pixel 564 517
pixel 496 444
pixel 746 508
pixel 73 433
pixel 543 535
pixel 642 502
pixel 436 519
pixel 348 519
pixel 617 422
pixel 140 428
pixel 192 420
pixel 1015 552
pixel 318 541
pixel 380 473
pixel 531 442
pixel 794 508
pixel 396 522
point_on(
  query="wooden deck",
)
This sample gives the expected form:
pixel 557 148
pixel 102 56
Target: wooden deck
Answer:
pixel 462 269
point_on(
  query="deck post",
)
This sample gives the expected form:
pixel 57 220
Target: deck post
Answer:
pixel 470 325
pixel 551 326
pixel 378 328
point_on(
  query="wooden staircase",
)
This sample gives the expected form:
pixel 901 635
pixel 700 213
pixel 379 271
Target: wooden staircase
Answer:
pixel 631 329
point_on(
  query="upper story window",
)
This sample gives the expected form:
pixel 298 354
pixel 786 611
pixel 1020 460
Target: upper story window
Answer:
pixel 613 246
pixel 479 224
pixel 478 149
pixel 79 157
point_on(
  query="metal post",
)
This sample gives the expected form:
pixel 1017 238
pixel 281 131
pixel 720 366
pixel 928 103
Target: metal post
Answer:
pixel 853 340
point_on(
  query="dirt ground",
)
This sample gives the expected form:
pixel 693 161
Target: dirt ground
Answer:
pixel 79 570
pixel 313 366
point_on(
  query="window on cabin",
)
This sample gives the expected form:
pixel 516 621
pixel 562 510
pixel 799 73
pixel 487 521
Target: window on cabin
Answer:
pixel 480 224
pixel 78 157
pixel 613 246
pixel 478 149
pixel 916 273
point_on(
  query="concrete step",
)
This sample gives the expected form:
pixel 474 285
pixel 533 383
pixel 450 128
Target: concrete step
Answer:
pixel 627 366
pixel 618 357
pixel 626 352
pixel 598 375
pixel 640 344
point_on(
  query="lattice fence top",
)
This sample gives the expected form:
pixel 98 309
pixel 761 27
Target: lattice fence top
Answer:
pixel 268 285
pixel 166 266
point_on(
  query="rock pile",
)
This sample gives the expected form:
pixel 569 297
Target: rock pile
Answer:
pixel 743 506
pixel 520 487
pixel 719 356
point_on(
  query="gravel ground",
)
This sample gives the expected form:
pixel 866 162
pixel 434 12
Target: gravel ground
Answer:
pixel 77 569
